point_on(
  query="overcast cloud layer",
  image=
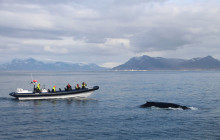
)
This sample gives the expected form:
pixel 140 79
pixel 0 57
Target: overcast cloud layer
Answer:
pixel 108 32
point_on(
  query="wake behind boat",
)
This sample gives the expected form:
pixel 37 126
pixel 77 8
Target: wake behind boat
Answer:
pixel 47 94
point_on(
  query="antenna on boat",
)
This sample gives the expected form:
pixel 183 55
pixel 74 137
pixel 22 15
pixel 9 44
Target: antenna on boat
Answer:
pixel 33 81
pixel 31 77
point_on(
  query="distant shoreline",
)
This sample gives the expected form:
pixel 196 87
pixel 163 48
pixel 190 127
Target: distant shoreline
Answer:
pixel 30 71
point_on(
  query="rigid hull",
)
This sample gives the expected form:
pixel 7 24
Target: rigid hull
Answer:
pixel 82 93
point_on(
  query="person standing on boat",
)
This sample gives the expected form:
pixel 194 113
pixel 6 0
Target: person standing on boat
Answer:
pixel 77 87
pixel 38 87
pixel 54 89
pixel 68 87
pixel 84 85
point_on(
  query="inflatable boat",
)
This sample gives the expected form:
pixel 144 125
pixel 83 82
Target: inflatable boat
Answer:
pixel 22 94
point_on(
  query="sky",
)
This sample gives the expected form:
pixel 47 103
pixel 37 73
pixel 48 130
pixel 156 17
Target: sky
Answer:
pixel 108 32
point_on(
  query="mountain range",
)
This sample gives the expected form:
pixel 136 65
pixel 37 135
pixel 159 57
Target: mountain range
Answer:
pixel 158 63
pixel 136 63
pixel 35 65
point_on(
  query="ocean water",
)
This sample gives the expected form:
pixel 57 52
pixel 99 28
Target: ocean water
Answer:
pixel 113 111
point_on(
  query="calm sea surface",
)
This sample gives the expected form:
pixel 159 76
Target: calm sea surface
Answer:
pixel 113 111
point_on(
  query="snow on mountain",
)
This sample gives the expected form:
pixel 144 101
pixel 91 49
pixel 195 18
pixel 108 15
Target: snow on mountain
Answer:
pixel 35 65
pixel 159 63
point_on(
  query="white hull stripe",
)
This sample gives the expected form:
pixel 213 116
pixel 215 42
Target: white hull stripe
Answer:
pixel 81 95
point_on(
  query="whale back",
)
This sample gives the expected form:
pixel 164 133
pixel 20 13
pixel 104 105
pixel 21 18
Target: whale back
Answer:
pixel 162 105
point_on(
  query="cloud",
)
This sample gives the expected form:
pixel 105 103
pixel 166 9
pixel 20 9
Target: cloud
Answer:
pixel 160 38
pixel 24 17
pixel 117 42
pixel 55 50
pixel 109 64
pixel 108 32
pixel 173 26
